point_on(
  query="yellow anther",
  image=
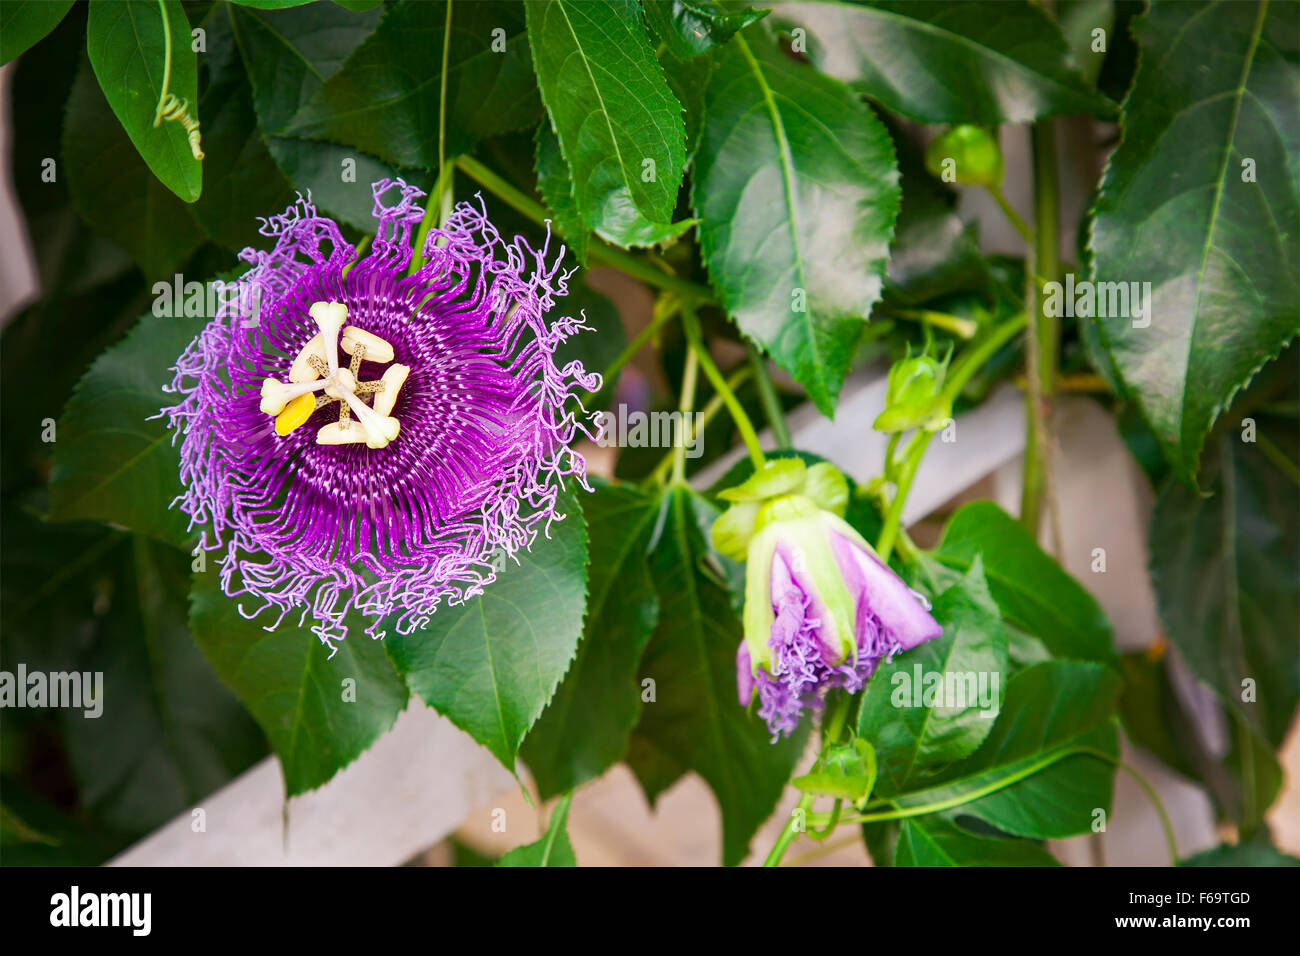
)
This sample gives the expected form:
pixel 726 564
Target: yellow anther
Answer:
pixel 393 378
pixel 295 413
pixel 302 369
pixel 377 350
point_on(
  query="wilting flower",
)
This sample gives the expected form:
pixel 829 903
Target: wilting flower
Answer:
pixel 361 440
pixel 821 609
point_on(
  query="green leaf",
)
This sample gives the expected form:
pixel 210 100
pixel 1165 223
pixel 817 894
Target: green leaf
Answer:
pixel 796 188
pixel 1034 592
pixel 243 184
pixel 695 721
pixel 585 728
pixel 553 849
pixel 909 736
pixel 935 841
pixel 1252 853
pixel 1224 570
pixel 111 463
pixel 692 27
pixel 556 188
pixel 619 126
pixel 386 97
pixel 125 40
pixel 492 664
pixel 169 733
pixel 1221 254
pixel 950 62
pixel 320 712
pixel 289 54
pixel 24 23
pixel 622 225
pixel 1020 780
pixel 113 190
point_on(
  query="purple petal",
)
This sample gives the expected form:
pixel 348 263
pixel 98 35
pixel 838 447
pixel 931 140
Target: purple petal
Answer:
pixel 882 595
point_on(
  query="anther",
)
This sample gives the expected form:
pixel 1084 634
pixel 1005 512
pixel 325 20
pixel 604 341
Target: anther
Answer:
pixel 304 369
pixel 393 378
pixel 377 350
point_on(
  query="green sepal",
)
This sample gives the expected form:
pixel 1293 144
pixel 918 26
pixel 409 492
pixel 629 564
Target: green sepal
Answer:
pixel 734 529
pixel 778 476
pixel 827 487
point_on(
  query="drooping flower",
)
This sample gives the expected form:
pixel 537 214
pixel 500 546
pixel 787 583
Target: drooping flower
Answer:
pixel 821 609
pixel 361 440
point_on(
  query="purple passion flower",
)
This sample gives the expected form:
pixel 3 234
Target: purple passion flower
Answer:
pixel 821 609
pixel 360 440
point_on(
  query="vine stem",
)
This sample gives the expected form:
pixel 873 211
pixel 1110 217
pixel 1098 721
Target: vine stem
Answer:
pixel 440 201
pixel 691 325
pixel 911 462
pixel 167 63
pixel 1042 341
pixel 689 375
pixel 767 395
pixel 707 414
pixel 661 317
pixel 962 328
pixel 1009 211
pixel 604 254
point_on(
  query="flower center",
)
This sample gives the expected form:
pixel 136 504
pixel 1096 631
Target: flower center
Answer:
pixel 316 369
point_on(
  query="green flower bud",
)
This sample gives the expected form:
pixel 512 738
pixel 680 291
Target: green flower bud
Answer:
pixel 847 771
pixel 913 398
pixel 976 158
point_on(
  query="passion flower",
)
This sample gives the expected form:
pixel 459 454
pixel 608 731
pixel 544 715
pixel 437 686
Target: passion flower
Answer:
pixel 821 609
pixel 359 440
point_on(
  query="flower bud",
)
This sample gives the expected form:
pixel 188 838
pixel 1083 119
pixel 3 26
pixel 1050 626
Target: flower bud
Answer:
pixel 973 150
pixel 914 397
pixel 821 611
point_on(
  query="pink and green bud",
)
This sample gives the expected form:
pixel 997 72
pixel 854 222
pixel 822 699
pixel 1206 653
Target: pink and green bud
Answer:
pixel 821 609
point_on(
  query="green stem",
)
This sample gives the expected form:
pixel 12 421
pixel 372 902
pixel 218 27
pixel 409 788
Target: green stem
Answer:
pixel 980 352
pixel 767 395
pixel 167 63
pixel 660 318
pixel 911 462
pixel 689 375
pixel 962 328
pixel 691 324
pixel 788 832
pixel 969 797
pixel 1042 343
pixel 604 254
pixel 1278 457
pixel 1009 211
pixel 710 412
pixel 441 190
pixel 1154 797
